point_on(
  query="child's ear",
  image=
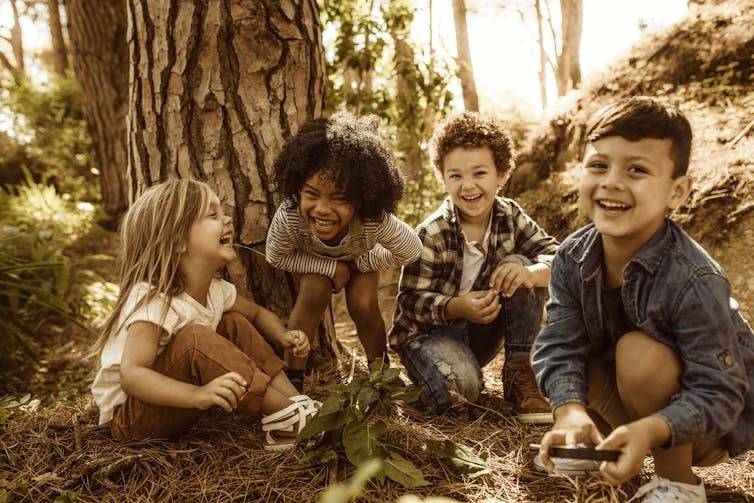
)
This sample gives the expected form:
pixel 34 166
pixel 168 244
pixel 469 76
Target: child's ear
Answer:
pixel 679 191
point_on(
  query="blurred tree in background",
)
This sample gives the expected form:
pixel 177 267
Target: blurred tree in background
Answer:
pixel 373 66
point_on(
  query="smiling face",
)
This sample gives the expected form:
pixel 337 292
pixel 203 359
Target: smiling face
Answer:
pixel 209 244
pixel 326 208
pixel 471 179
pixel 627 187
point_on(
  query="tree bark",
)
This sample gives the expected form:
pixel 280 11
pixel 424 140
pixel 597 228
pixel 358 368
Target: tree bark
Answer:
pixel 97 31
pixel 568 72
pixel 16 39
pixel 466 70
pixel 217 87
pixel 59 52
pixel 542 74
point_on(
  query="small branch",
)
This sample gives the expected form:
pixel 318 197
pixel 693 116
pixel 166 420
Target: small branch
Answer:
pixel 105 473
pixel 77 432
pixel 743 133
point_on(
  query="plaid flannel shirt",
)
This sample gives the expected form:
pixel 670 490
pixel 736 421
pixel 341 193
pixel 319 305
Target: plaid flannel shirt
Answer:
pixel 429 283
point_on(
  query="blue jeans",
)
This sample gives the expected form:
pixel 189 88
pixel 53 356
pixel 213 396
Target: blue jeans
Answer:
pixel 448 362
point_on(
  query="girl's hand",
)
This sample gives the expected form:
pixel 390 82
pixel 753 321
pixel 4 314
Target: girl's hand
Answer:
pixel 297 342
pixel 342 275
pixel 507 278
pixel 572 426
pixel 634 444
pixel 224 391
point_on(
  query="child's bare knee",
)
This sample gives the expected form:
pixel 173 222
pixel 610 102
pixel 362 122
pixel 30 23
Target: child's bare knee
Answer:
pixel 363 308
pixel 640 360
pixel 315 291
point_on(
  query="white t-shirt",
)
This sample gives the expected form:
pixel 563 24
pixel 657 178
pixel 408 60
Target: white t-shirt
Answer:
pixel 474 253
pixel 184 310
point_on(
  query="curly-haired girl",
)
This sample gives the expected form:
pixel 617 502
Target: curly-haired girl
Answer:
pixel 179 340
pixel 335 226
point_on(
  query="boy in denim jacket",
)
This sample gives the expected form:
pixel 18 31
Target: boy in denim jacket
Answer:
pixel 480 282
pixel 643 342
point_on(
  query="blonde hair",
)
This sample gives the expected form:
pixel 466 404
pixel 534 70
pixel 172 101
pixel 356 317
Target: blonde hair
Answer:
pixel 152 233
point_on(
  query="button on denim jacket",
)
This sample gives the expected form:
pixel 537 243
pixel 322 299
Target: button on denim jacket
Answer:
pixel 675 292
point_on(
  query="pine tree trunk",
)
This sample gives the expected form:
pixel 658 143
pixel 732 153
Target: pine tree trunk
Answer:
pixel 59 52
pixel 217 88
pixel 99 52
pixel 466 70
pixel 568 73
pixel 17 39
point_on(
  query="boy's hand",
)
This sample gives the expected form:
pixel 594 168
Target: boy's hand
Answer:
pixel 341 277
pixel 224 391
pixel 634 440
pixel 297 342
pixel 478 306
pixel 507 278
pixel 572 425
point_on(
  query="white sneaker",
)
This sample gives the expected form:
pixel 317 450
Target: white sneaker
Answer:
pixel 569 466
pixel 660 490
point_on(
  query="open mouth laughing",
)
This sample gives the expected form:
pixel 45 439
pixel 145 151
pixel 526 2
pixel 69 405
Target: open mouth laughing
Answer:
pixel 612 206
pixel 324 225
pixel 471 199
pixel 227 239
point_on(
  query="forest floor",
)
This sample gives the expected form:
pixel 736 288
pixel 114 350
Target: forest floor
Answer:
pixel 51 449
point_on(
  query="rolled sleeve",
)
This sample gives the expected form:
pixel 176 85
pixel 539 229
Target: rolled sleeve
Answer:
pixel 562 348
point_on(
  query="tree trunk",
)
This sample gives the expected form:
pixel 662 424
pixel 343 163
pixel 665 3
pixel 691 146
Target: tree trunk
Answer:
pixel 217 87
pixel 59 52
pixel 568 72
pixel 97 31
pixel 16 39
pixel 466 70
pixel 542 56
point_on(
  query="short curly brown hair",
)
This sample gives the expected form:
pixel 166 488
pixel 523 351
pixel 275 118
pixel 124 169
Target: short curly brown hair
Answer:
pixel 472 130
pixel 349 151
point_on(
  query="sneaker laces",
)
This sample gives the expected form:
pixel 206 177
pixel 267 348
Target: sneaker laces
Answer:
pixel 522 378
pixel 661 490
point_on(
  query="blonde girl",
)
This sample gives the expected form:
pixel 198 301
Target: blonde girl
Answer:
pixel 180 340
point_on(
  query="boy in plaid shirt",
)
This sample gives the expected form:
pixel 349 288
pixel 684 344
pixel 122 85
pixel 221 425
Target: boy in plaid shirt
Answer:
pixel 481 279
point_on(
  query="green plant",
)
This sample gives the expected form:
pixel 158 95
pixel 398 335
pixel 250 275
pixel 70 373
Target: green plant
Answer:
pixel 38 281
pixel 9 405
pixel 48 136
pixel 349 424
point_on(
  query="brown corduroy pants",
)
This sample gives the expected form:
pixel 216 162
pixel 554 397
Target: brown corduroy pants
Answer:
pixel 197 355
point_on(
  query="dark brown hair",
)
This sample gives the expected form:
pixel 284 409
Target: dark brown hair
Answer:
pixel 642 117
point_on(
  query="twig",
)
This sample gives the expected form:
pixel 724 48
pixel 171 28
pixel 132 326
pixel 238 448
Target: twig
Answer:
pixel 353 366
pixel 743 133
pixel 76 432
pixel 105 473
pixel 250 249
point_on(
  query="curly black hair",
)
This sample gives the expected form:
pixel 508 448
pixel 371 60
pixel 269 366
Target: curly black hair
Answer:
pixel 348 151
pixel 472 130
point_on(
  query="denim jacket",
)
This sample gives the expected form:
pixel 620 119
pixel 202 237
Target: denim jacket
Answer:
pixel 672 291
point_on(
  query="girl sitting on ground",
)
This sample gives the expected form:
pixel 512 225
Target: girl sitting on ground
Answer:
pixel 180 340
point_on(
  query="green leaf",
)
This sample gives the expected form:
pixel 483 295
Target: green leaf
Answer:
pixel 462 457
pixel 332 405
pixel 362 441
pixel 366 397
pixel 322 423
pixel 403 471
pixel 407 394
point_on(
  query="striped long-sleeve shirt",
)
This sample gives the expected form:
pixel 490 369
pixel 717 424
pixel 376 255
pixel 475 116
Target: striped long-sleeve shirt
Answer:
pixel 374 245
pixel 429 283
